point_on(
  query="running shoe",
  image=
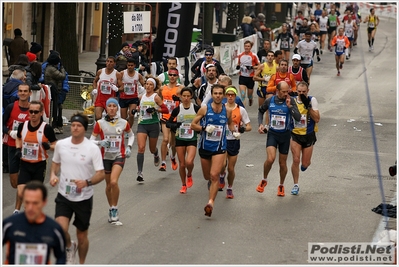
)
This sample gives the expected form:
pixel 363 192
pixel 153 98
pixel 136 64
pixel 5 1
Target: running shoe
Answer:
pixel 229 193
pixel 295 190
pixel 140 177
pixel 174 164
pixel 347 58
pixel 318 59
pixel 369 48
pixel 71 253
pixel 321 51
pixel 114 215
pixel 372 47
pixel 280 191
pixel 56 130
pixel 183 189
pixel 339 73
pixel 109 216
pixel 261 186
pixel 189 181
pixel 156 161
pixel 221 180
pixel 340 65
pixel 208 210
pixel 163 167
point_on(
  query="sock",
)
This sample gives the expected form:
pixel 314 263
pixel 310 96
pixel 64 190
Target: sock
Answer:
pixel 303 168
pixel 265 179
pixel 372 41
pixel 296 185
pixel 156 152
pixel 230 187
pixel 114 207
pixel 163 162
pixel 172 157
pixel 140 161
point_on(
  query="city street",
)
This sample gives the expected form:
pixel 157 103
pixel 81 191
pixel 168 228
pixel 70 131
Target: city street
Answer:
pixel 337 192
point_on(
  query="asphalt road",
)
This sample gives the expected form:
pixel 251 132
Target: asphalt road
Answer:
pixel 337 192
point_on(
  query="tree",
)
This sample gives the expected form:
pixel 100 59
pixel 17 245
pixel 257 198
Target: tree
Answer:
pixel 66 42
pixel 115 19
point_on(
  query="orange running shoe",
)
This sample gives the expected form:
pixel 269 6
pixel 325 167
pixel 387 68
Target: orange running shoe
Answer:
pixel 183 189
pixel 280 191
pixel 163 167
pixel 189 181
pixel 261 186
pixel 174 164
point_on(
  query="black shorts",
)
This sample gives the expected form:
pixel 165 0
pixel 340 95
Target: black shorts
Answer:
pixel 233 147
pixel 323 32
pixel 261 92
pixel 280 140
pixel 13 161
pixel 186 143
pixel 32 171
pixel 307 140
pixel 82 210
pixel 305 66
pixel 247 81
pixel 331 29
pixel 370 30
pixel 152 130
pixel 296 32
pixel 108 163
pixel 206 154
pixel 124 103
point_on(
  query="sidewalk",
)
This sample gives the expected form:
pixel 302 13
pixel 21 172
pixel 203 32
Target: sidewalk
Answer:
pixel 87 61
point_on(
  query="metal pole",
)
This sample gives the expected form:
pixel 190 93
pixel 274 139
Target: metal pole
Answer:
pixel 102 57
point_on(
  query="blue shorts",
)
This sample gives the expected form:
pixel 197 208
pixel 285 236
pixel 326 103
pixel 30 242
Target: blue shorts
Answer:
pixel 339 53
pixel 261 92
pixel 280 140
pixel 233 147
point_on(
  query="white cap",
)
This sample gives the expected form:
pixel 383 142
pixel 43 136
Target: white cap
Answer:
pixel 296 56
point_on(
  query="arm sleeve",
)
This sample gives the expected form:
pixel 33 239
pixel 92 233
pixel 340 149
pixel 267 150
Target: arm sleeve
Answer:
pixel 59 250
pixel 294 110
pixel 49 133
pixel 305 76
pixel 20 130
pixel 262 109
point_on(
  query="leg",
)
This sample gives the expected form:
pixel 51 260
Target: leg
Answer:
pixel 141 140
pixel 337 62
pixel 124 113
pixel 172 142
pixel 261 100
pixel 309 72
pixel 112 187
pixel 216 164
pixel 232 160
pixel 83 244
pixel 283 167
pixel 242 91
pixel 296 158
pixel 306 156
pixel 131 116
pixel 64 222
pixel 181 155
pixel 165 141
pixel 190 156
pixel 98 112
pixel 270 157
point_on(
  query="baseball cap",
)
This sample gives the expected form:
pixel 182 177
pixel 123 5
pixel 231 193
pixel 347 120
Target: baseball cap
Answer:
pixel 296 56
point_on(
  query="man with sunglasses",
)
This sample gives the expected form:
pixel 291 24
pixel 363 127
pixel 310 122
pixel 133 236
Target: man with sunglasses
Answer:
pixel 15 114
pixel 199 68
pixel 171 64
pixel 34 138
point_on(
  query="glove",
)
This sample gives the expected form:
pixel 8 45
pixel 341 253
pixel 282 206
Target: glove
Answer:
pixel 46 146
pixel 115 88
pixel 105 143
pixel 249 67
pixel 13 134
pixel 94 92
pixel 265 129
pixel 128 152
pixel 236 135
pixel 237 67
pixel 242 129
pixel 18 153
pixel 134 111
pixel 150 110
pixel 175 98
pixel 267 78
pixel 209 129
pixel 174 126
pixel 305 100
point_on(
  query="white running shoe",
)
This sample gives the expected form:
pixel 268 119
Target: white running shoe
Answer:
pixel 114 215
pixel 71 253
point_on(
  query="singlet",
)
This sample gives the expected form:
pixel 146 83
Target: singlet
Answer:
pixel 167 94
pixel 130 85
pixel 323 23
pixel 32 149
pixel 340 41
pixel 216 140
pixel 280 79
pixel 298 22
pixel 104 85
pixel 348 27
pixel 279 116
pixel 186 116
pixel 285 41
pixel 306 124
pixel 247 60
pixel 306 50
pixel 333 21
pixel 238 114
pixel 371 22
pixel 297 75
pixel 17 117
pixel 166 78
pixel 148 102
pixel 114 133
pixel 267 71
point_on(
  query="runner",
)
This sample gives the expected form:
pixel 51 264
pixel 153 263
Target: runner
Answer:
pixel 323 20
pixel 111 130
pixel 372 23
pixel 263 74
pixel 332 24
pixel 186 138
pixel 350 27
pixel 285 43
pixel 341 43
pixel 148 123
pixel 305 48
pixel 303 136
pixel 211 121
pixel 296 70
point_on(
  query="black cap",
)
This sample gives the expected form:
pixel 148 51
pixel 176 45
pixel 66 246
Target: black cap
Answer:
pixel 35 48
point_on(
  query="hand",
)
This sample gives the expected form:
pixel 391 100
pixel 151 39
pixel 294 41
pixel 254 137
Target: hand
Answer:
pixel 115 88
pixel 267 78
pixel 54 180
pixel 242 129
pixel 18 153
pixel 46 145
pixel 128 152
pixel 260 129
pixel 105 144
pixel 305 100
pixel 13 134
pixel 81 183
pixel 236 135
pixel 150 110
pixel 175 98
pixel 265 129
pixel 288 101
pixel 237 67
pixel 209 129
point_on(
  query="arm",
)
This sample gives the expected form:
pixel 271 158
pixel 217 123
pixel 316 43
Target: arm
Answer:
pixel 119 82
pixel 55 169
pixel 6 117
pixel 366 19
pixel 261 111
pixel 200 114
pixel 271 86
pixel 96 79
pixel 141 79
pixel 49 133
pixel 258 71
pixel 314 110
pixel 293 108
pixel 206 99
pixel 162 107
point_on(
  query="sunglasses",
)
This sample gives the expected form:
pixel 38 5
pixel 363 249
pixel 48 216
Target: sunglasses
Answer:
pixel 34 111
pixel 172 74
pixel 208 55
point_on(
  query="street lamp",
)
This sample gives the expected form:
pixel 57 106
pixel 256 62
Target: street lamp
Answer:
pixel 102 57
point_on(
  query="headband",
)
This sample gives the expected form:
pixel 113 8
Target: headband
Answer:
pixel 231 89
pixel 153 81
pixel 112 100
pixel 81 120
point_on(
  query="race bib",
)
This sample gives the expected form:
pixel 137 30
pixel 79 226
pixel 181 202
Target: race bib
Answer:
pixel 340 47
pixel 15 125
pixel 106 88
pixel 30 151
pixel 333 23
pixel 349 32
pixel 129 88
pixel 302 123
pixel 115 143
pixel 278 122
pixel 30 253
pixel 144 114
pixel 71 188
pixel 216 135
pixel 170 104
pixel 185 131
pixel 284 44
pixel 371 25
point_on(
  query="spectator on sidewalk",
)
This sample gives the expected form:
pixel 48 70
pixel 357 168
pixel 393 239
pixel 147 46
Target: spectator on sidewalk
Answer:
pixel 34 52
pixel 17 46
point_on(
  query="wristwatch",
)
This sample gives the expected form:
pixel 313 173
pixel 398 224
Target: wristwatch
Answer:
pixel 89 183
